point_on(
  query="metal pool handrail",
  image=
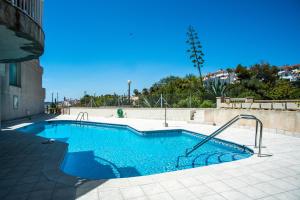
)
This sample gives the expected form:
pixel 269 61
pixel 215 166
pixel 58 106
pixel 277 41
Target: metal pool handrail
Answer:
pixel 81 115
pixel 225 126
pixel 188 151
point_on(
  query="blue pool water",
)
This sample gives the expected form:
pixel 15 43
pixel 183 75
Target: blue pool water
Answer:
pixel 102 151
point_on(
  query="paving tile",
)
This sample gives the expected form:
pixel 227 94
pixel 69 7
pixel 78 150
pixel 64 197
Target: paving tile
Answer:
pixel 66 193
pixel 218 186
pixel 43 194
pixel 287 196
pixel 140 198
pixel 8 182
pixel 23 196
pixel 161 196
pixel 262 177
pixel 110 194
pixel 234 195
pixel 183 194
pixel 268 188
pixel 234 183
pixel 4 192
pixel 245 179
pixel 140 180
pixel 29 179
pixel 292 180
pixel 295 192
pixel 269 198
pixel 171 185
pixel 24 188
pixel 201 190
pixel 132 192
pixel 153 188
pixel 213 197
pixel 189 181
pixel 285 186
pixel 90 195
pixel 205 178
pixel 45 185
pixel 252 192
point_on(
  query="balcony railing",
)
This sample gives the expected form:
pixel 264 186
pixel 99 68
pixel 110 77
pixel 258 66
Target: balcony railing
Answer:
pixel 32 8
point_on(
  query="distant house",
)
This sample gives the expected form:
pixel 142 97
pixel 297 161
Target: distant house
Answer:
pixel 291 73
pixel 220 75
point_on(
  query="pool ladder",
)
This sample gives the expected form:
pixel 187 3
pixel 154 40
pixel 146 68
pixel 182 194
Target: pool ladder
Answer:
pixel 188 151
pixel 81 116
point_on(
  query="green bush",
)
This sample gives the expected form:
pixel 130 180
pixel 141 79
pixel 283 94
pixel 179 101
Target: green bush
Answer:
pixel 185 103
pixel 208 104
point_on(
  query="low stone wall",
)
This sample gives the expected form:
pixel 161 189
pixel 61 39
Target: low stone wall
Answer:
pixel 285 122
pixel 250 103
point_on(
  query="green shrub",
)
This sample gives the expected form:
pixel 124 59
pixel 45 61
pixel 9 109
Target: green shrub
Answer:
pixel 208 104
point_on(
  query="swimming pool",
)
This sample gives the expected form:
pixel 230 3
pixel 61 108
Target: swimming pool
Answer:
pixel 104 151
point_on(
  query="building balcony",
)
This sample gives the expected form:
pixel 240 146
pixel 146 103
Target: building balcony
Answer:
pixel 21 33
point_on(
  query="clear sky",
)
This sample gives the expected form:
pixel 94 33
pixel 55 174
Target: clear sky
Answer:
pixel 97 45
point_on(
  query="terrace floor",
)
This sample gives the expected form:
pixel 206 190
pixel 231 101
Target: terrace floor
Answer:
pixel 30 170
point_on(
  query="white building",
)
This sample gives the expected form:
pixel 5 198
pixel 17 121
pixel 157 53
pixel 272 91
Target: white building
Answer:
pixel 291 73
pixel 21 45
pixel 220 75
pixel 21 90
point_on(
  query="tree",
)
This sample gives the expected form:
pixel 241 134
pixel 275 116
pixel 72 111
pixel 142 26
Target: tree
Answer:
pixel 195 50
pixel 265 72
pixel 136 92
pixel 145 91
pixel 284 90
pixel 242 72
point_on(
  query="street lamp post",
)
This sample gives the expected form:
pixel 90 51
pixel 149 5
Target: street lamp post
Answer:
pixel 129 82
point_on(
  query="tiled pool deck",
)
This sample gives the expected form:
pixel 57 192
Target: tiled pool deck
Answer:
pixel 30 170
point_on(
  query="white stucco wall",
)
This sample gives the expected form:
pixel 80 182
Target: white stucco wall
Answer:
pixel 286 122
pixel 31 95
pixel 143 113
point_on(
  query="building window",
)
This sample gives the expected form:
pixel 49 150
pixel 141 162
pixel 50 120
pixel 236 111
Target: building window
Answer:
pixel 2 69
pixel 15 102
pixel 15 74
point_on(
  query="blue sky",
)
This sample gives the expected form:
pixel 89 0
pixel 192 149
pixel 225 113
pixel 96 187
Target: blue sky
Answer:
pixel 97 45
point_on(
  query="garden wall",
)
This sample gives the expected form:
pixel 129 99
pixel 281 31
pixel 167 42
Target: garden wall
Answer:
pixel 277 121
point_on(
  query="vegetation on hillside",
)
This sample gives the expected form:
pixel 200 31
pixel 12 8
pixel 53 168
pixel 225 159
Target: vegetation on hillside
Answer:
pixel 259 81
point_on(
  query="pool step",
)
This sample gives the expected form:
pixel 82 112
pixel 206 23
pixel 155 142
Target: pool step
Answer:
pixel 205 159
